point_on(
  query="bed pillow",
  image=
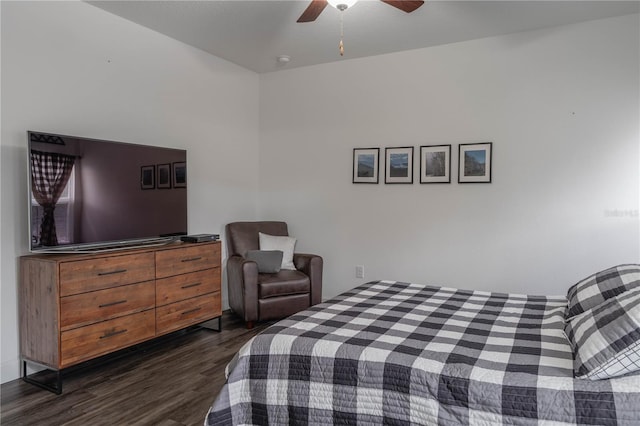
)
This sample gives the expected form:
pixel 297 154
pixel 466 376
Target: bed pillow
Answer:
pixel 284 244
pixel 269 261
pixel 603 285
pixel 606 339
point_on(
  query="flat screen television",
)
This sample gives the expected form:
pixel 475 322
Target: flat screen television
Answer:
pixel 88 194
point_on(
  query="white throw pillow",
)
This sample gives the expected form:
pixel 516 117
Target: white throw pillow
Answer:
pixel 285 244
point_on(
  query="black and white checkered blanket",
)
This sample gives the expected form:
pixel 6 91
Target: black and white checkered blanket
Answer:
pixel 402 353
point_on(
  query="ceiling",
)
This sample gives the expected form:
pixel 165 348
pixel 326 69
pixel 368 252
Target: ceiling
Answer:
pixel 253 34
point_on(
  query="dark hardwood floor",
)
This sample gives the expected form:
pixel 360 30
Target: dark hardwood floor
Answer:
pixel 170 382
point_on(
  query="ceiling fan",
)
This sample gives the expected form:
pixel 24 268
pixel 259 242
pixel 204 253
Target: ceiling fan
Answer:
pixel 316 7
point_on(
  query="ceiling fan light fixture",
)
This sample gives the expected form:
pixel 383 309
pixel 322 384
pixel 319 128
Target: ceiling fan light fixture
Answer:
pixel 342 4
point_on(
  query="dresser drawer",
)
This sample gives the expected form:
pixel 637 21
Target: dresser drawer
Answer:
pixel 180 287
pixel 187 312
pixel 188 258
pixel 99 273
pixel 88 342
pixel 87 308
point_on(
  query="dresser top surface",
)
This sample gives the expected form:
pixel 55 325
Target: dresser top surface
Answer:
pixel 60 257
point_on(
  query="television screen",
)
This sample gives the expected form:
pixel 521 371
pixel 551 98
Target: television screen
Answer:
pixel 87 193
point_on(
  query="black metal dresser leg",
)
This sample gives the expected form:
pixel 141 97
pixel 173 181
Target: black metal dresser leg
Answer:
pixel 56 388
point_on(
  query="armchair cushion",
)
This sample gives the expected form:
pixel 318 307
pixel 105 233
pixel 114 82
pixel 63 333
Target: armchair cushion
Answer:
pixel 269 261
pixel 285 282
pixel 285 244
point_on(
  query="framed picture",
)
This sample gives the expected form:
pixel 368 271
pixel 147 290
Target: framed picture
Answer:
pixel 398 165
pixel 180 175
pixel 164 176
pixel 435 164
pixel 365 165
pixel 147 177
pixel 474 162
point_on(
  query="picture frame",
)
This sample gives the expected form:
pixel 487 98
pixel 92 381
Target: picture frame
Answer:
pixel 163 180
pixel 474 162
pixel 147 177
pixel 435 164
pixel 366 164
pixel 179 177
pixel 398 165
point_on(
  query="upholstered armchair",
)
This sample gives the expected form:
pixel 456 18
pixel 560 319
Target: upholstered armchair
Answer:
pixel 259 296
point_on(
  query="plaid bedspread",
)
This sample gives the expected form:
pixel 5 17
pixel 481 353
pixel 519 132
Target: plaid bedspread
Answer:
pixel 408 354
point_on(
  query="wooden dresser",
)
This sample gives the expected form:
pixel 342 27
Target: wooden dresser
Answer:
pixel 76 307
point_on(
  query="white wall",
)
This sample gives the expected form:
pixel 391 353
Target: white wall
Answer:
pixel 70 68
pixel 560 105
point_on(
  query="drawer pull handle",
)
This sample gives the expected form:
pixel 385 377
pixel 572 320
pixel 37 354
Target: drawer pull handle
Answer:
pixel 190 311
pixel 117 271
pixel 192 259
pixel 190 285
pixel 113 333
pixel 119 302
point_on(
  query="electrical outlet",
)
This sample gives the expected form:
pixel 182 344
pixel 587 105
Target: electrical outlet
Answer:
pixel 359 271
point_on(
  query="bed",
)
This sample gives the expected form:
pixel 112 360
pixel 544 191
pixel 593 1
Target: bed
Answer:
pixel 402 353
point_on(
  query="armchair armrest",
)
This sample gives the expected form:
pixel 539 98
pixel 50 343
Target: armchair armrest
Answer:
pixel 242 280
pixel 311 265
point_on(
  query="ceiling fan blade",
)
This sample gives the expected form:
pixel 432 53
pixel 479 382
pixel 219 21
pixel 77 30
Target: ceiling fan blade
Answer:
pixel 407 6
pixel 312 12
